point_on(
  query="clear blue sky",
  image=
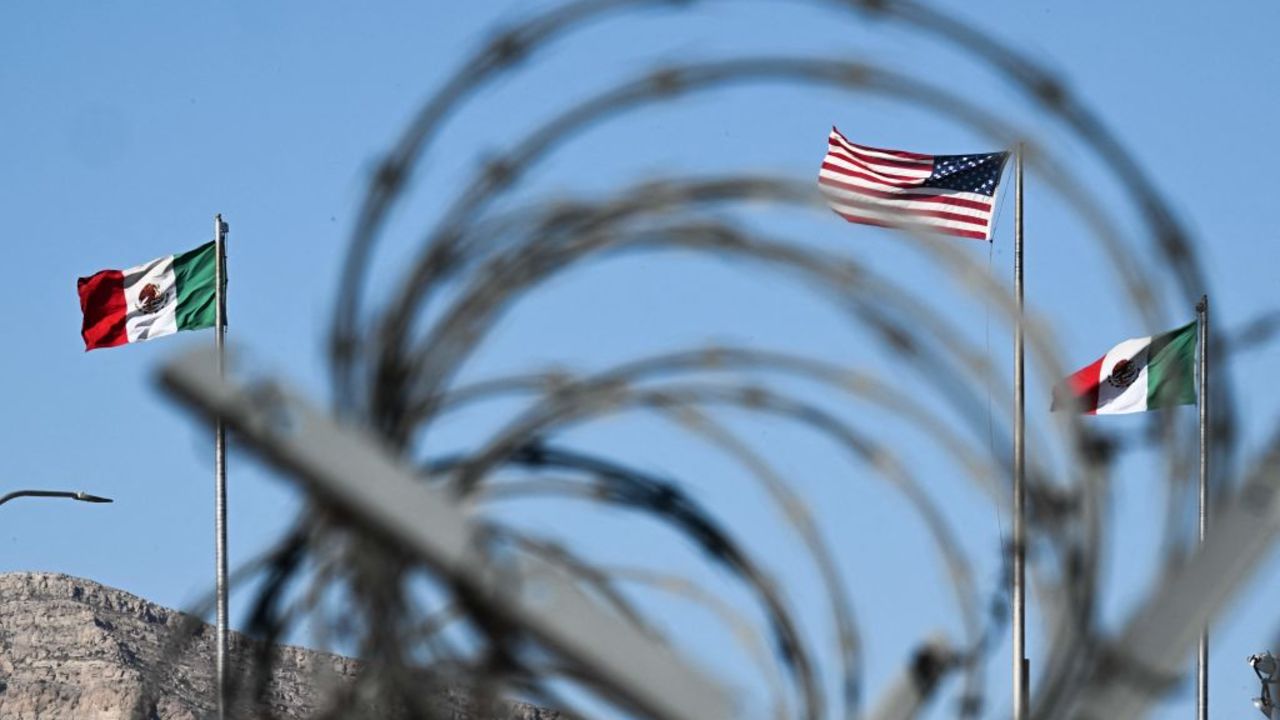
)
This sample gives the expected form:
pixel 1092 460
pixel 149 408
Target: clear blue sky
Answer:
pixel 126 127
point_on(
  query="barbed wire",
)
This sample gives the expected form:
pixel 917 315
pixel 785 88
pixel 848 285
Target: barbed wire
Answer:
pixel 396 361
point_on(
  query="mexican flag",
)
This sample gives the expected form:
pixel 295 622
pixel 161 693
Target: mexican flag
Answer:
pixel 1137 375
pixel 168 294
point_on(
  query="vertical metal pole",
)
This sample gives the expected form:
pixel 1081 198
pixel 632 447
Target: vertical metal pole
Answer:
pixel 220 471
pixel 1020 665
pixel 1202 657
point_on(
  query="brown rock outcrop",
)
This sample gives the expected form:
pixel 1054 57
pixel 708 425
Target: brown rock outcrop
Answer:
pixel 71 649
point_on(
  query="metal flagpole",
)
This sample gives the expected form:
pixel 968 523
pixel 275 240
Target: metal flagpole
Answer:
pixel 1020 664
pixel 1202 657
pixel 220 469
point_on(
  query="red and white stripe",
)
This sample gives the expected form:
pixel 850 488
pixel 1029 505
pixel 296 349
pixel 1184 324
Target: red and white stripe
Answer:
pixel 875 186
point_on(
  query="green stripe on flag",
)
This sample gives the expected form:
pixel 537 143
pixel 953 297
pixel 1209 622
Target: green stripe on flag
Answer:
pixel 195 274
pixel 1171 371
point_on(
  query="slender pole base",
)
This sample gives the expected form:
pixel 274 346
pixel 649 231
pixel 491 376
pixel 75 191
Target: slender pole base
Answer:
pixel 1021 666
pixel 220 476
pixel 1202 656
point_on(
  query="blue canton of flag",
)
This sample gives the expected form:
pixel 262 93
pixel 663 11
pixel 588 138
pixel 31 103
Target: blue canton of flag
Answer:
pixel 968 173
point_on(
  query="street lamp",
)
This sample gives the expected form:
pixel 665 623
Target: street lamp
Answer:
pixel 1266 667
pixel 81 496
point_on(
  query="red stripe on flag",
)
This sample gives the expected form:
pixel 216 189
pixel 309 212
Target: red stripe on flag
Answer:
pixel 933 210
pixel 103 305
pixel 898 153
pixel 909 183
pixel 918 166
pixel 890 177
pixel 915 213
pixel 1080 389
pixel 906 223
pixel 913 197
pixel 836 147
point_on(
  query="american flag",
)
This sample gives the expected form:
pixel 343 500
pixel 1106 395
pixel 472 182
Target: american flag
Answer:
pixel 951 194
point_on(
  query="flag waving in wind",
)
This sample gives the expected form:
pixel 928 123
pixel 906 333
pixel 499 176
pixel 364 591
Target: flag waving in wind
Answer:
pixel 1137 375
pixel 168 294
pixel 950 194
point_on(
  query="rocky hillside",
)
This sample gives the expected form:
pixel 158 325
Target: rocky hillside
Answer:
pixel 72 649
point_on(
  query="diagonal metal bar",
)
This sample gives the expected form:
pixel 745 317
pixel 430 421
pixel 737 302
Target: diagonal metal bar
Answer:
pixel 353 471
pixel 1157 642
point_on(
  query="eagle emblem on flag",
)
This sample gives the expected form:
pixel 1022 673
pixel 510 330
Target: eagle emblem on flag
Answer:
pixel 1123 374
pixel 150 299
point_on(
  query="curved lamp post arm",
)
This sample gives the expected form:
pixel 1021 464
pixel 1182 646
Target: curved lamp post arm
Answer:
pixel 81 496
